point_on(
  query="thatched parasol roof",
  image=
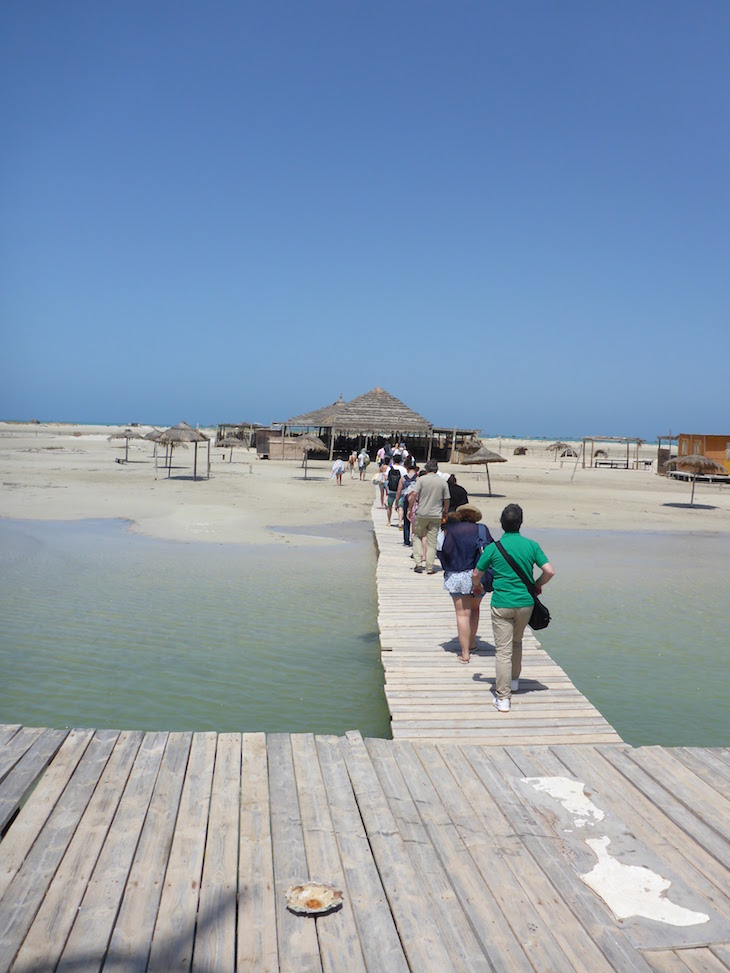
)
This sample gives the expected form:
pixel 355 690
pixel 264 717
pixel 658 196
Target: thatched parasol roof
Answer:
pixel 311 443
pixel 471 445
pixel 126 434
pixel 696 464
pixel 482 457
pixel 556 447
pixel 375 411
pixel 152 434
pixel 182 433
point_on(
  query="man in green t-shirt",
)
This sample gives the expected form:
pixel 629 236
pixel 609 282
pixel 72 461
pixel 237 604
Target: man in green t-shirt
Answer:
pixel 512 603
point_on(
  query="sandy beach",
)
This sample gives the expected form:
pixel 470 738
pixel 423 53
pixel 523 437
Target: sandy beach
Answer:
pixel 69 472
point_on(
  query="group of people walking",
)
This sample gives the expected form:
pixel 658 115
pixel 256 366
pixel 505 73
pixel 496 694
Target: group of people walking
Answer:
pixel 446 525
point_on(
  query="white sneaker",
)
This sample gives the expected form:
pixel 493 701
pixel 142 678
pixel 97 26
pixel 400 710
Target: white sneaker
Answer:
pixel 502 705
pixel 515 685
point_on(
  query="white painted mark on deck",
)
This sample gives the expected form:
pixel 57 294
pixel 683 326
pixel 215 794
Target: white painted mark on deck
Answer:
pixel 632 890
pixel 571 795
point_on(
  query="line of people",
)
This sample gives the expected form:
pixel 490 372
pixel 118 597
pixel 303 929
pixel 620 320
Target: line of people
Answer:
pixel 444 523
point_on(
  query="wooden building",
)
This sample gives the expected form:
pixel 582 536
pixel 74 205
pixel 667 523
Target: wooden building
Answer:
pixel 713 447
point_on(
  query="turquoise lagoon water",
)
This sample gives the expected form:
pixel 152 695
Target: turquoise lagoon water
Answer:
pixel 104 627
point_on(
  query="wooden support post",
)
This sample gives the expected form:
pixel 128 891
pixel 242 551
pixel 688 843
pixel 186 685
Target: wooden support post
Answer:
pixel 430 445
pixel 332 442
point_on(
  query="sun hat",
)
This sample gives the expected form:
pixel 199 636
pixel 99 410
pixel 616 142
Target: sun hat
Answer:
pixel 467 511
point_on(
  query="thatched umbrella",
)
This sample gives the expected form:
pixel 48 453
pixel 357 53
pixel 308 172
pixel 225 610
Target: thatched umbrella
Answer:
pixel 230 441
pixel 183 433
pixel 697 465
pixel 471 445
pixel 520 451
pixel 126 434
pixel 310 444
pixel 485 456
pixel 557 448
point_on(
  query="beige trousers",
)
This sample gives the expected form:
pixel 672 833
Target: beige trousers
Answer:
pixel 428 528
pixel 508 626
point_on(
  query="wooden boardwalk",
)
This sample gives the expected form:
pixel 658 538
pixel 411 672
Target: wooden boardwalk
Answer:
pixel 167 852
pixel 431 697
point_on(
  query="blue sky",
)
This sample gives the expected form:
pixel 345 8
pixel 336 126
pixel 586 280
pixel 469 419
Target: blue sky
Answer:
pixel 511 215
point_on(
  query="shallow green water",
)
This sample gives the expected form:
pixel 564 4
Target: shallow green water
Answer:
pixel 641 623
pixel 105 628
pixel 102 627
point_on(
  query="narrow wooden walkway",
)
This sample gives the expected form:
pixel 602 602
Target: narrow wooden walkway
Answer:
pixel 432 697
pixel 171 852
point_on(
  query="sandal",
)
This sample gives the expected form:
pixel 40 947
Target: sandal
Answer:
pixel 462 661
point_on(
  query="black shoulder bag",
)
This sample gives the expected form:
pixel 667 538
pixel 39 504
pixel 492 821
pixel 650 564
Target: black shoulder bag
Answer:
pixel 540 617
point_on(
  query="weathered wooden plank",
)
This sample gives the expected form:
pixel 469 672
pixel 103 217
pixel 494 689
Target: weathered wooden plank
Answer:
pixel 94 920
pixel 18 782
pixel 454 922
pixel 297 937
pixel 381 945
pixel 215 935
pixel 505 938
pixel 16 747
pixel 689 821
pixel 712 807
pixel 422 943
pixel 64 855
pixel 495 769
pixel 339 944
pixel 8 731
pixel 16 844
pixel 707 765
pixel 172 940
pixel 646 821
pixel 257 946
pixel 665 961
pixel 132 936
pixel 581 952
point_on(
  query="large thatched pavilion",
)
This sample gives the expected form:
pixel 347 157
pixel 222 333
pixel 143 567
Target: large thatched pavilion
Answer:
pixel 369 421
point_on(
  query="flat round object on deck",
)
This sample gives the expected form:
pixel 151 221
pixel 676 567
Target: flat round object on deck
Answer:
pixel 312 898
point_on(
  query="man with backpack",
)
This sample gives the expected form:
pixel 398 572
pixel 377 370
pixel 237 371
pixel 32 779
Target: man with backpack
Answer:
pixel 392 482
pixel 407 482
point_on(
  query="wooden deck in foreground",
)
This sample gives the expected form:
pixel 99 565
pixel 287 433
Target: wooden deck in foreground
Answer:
pixel 431 697
pixel 167 852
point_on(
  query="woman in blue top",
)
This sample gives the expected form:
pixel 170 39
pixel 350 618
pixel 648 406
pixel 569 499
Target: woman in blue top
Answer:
pixel 512 603
pixel 464 540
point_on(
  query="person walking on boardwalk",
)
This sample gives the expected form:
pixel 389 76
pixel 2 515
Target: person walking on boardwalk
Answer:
pixel 512 603
pixel 464 540
pixel 405 487
pixel 432 493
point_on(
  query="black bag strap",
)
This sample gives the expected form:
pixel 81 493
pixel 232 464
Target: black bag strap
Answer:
pixel 528 583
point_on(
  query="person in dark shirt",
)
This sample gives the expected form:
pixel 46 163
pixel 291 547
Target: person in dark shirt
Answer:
pixel 464 540
pixel 458 494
